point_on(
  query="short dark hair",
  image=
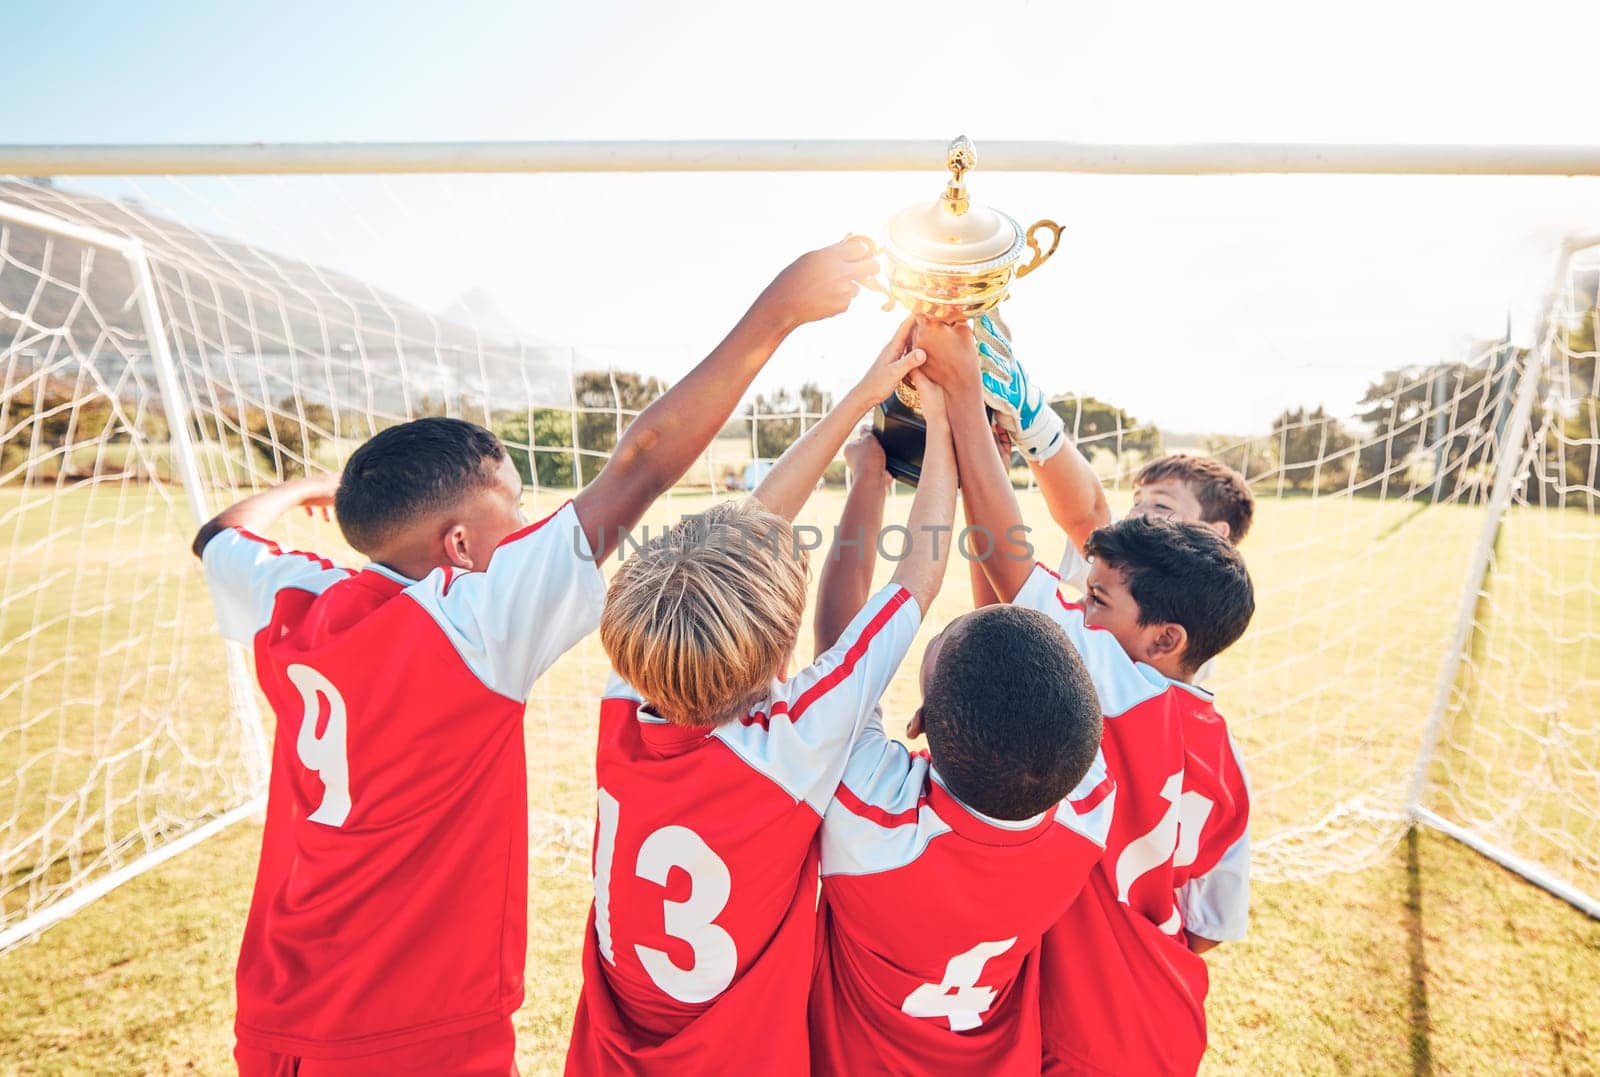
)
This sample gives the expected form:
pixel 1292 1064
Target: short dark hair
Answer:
pixel 1181 573
pixel 1223 493
pixel 408 470
pixel 1012 719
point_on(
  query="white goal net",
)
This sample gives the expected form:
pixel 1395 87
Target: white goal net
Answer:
pixel 1409 620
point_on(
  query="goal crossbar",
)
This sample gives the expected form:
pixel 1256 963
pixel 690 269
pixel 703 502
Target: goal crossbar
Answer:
pixel 798 155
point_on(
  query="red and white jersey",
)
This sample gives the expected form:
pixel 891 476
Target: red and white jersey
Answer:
pixel 932 915
pixel 391 900
pixel 1121 991
pixel 699 951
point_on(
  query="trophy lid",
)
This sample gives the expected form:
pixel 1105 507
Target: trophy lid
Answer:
pixel 953 231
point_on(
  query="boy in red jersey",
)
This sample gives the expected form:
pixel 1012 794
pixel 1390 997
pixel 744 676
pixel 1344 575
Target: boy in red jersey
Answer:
pixel 1122 984
pixel 973 824
pixel 388 928
pixel 714 768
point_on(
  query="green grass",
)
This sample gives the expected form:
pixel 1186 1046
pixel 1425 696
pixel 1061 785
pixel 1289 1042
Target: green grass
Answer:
pixel 1427 956
pixel 1432 960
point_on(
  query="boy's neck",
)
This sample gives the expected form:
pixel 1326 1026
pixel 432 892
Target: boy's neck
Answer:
pixel 414 563
pixel 1173 670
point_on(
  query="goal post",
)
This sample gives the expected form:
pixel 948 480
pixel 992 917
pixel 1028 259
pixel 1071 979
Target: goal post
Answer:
pixel 1428 626
pixel 1511 751
pixel 112 834
pixel 799 155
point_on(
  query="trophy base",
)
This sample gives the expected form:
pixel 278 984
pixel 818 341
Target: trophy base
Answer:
pixel 904 435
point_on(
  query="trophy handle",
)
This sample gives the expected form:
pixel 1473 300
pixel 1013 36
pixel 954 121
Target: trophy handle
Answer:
pixel 1040 257
pixel 873 283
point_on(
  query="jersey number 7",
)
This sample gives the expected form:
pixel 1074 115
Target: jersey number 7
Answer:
pixel 691 920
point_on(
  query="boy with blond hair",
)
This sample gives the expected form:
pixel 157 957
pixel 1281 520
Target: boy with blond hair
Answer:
pixel 714 767
pixel 388 930
pixel 1122 983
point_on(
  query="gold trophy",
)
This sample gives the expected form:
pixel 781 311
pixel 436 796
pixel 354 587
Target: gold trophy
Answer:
pixel 951 260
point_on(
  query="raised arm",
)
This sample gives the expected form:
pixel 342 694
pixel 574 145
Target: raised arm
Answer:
pixel 260 511
pixel 792 479
pixel 982 590
pixel 846 579
pixel 921 570
pixel 1072 491
pixel 671 433
pixel 992 504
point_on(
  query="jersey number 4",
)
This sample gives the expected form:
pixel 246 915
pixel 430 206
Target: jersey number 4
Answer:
pixel 325 754
pixel 715 959
pixel 959 998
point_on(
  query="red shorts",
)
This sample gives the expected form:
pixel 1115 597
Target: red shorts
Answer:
pixel 489 1051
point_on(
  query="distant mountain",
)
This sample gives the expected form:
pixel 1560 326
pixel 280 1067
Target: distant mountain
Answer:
pixel 252 323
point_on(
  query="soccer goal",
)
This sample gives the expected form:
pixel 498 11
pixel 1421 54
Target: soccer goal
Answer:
pixel 1426 550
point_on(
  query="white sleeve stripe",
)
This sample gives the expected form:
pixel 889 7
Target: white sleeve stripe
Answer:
pixel 1216 905
pixel 278 551
pixel 617 688
pixel 1088 809
pixel 838 675
pixel 802 735
pixel 847 799
pixel 856 845
pixel 246 573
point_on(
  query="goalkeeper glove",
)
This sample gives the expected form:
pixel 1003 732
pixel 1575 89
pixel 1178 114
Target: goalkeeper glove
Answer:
pixel 1019 405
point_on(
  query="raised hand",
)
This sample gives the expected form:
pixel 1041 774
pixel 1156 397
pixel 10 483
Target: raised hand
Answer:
pixel 897 359
pixel 317 492
pixel 952 353
pixel 863 454
pixel 820 284
pixel 259 512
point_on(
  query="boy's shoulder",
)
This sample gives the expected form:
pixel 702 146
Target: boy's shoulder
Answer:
pixel 850 675
pixel 1208 743
pixel 892 807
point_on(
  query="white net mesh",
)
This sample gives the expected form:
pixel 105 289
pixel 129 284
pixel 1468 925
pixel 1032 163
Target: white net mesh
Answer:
pixel 1518 760
pixel 115 736
pixel 1365 529
pixel 115 733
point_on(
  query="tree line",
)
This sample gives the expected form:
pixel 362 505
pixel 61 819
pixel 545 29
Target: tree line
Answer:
pixel 1437 433
pixel 1430 433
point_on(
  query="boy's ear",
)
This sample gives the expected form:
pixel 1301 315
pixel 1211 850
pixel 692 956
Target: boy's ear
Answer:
pixel 1221 527
pixel 914 727
pixel 1170 642
pixel 456 549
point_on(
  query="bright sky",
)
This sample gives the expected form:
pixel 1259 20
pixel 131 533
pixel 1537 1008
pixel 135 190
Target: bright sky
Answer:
pixel 1204 304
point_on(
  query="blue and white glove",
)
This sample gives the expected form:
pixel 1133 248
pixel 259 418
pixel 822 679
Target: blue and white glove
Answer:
pixel 1018 404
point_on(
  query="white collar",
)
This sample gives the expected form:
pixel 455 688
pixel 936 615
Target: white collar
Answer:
pixel 389 573
pixel 1002 824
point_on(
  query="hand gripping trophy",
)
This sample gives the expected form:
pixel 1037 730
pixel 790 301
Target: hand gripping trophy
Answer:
pixel 952 260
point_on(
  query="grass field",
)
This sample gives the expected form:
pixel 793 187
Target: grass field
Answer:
pixel 1420 957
